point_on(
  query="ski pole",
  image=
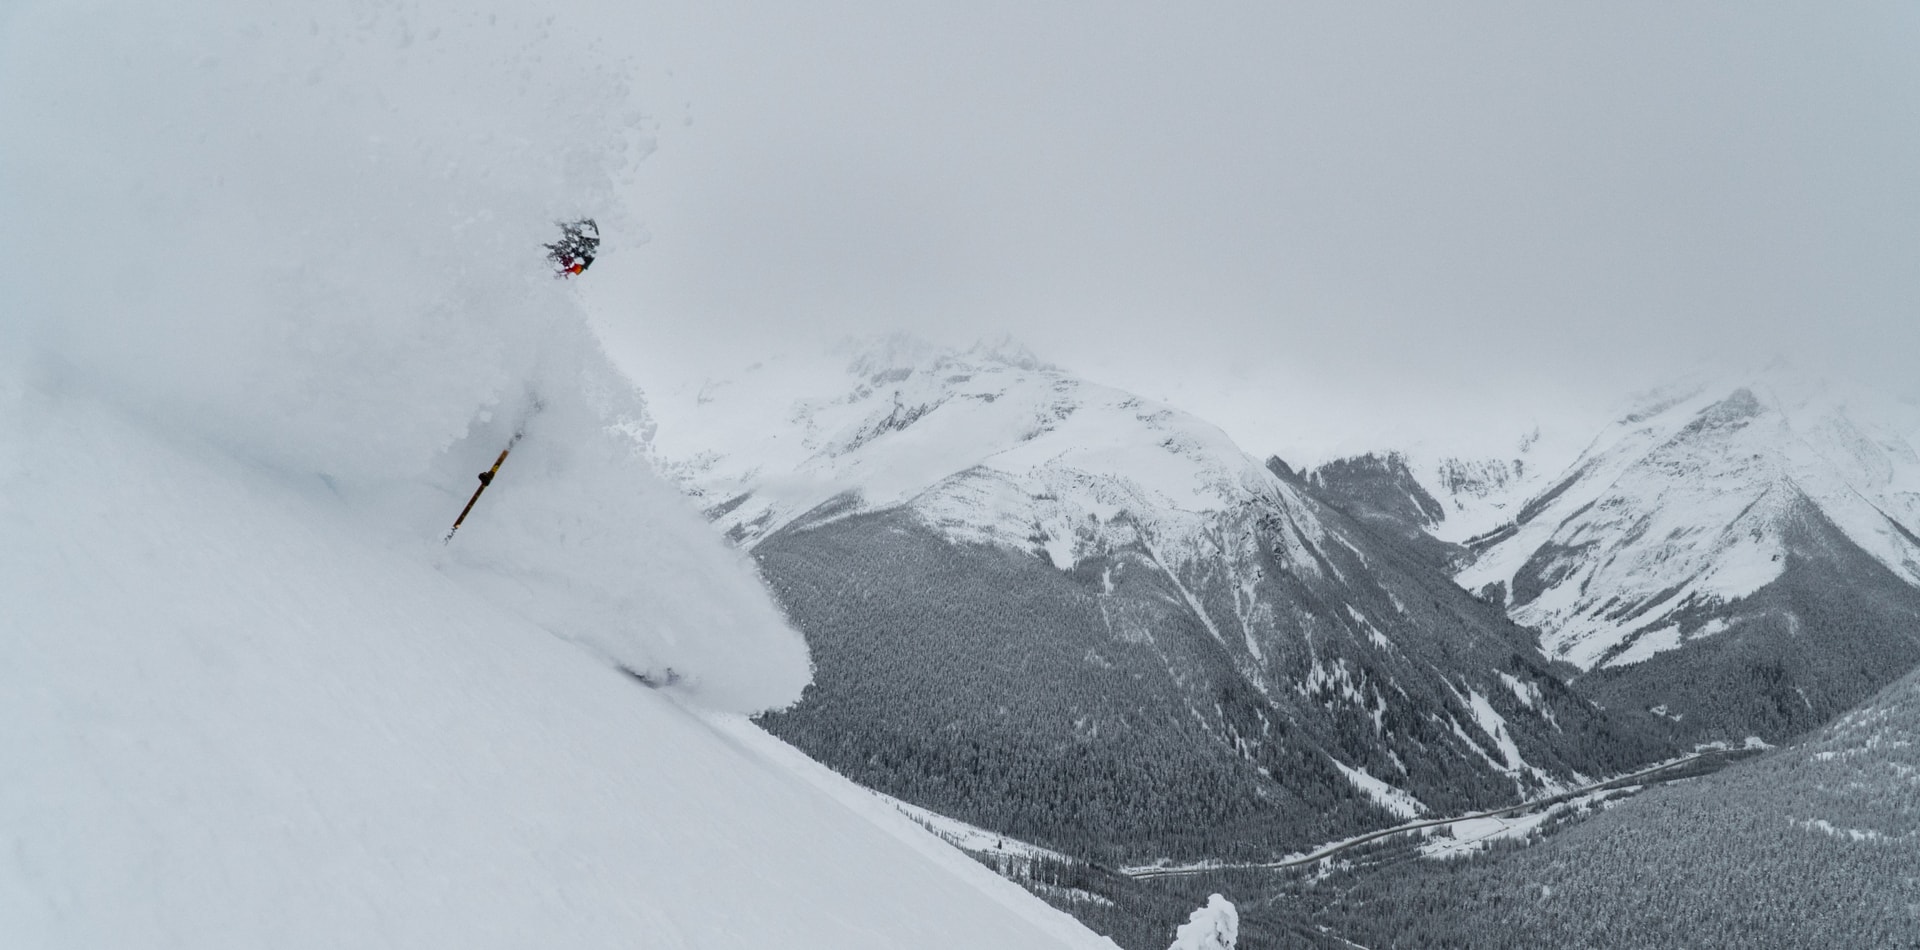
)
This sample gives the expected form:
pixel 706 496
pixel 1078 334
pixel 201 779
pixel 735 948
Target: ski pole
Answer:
pixel 486 478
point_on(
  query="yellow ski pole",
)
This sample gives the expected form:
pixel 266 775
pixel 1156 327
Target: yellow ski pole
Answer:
pixel 486 478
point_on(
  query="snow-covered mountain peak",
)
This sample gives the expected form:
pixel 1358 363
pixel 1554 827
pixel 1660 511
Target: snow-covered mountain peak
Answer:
pixel 989 442
pixel 1690 502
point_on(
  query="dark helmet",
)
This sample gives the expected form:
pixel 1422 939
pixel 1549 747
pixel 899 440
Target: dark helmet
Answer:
pixel 574 252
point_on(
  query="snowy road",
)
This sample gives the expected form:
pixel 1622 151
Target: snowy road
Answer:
pixel 1151 873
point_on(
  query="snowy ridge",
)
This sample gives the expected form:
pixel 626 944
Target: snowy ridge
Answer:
pixel 989 445
pixel 1686 504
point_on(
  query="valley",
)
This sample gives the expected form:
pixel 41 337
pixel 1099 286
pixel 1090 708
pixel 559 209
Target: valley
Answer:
pixel 1066 615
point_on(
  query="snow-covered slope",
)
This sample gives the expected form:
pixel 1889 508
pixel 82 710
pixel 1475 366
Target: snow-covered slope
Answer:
pixel 271 292
pixel 237 717
pixel 300 250
pixel 1686 505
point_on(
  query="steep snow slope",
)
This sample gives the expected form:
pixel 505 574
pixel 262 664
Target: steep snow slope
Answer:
pixel 250 698
pixel 236 716
pixel 994 558
pixel 302 249
pixel 1686 505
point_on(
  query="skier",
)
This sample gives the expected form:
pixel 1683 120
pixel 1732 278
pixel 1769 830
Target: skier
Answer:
pixel 574 252
pixel 571 256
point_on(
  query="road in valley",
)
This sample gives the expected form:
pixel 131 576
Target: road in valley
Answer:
pixel 1152 873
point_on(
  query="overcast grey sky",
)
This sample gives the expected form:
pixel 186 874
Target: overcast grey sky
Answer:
pixel 1324 225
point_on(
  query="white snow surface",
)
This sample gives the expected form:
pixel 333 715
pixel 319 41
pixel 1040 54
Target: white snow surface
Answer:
pixel 1647 645
pixel 312 239
pixel 235 719
pixel 1213 927
pixel 250 698
pixel 1686 501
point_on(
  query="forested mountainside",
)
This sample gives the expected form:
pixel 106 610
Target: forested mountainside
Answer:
pixel 1101 627
pixel 1816 845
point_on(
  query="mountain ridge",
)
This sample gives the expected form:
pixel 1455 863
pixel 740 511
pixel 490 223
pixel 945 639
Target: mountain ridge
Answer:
pixel 1230 613
pixel 1700 513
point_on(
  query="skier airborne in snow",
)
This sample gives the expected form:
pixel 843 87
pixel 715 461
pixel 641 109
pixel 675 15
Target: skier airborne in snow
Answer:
pixel 574 252
pixel 571 256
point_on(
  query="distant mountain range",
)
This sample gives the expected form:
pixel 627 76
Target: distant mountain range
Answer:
pixel 1738 559
pixel 1058 610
